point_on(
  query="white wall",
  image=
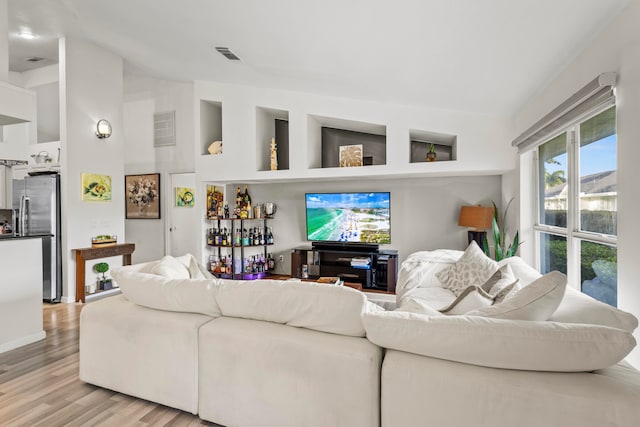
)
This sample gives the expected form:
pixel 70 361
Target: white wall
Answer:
pixel 4 40
pixel 90 89
pixel 424 211
pixel 615 49
pixel 482 140
pixel 143 98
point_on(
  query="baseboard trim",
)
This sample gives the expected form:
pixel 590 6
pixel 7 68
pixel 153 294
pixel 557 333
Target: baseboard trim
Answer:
pixel 11 345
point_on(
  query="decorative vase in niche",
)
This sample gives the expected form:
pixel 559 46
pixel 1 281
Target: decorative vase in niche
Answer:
pixel 431 153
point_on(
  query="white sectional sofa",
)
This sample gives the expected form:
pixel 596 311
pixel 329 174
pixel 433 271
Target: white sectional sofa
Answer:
pixel 282 353
pixel 259 353
pixel 470 370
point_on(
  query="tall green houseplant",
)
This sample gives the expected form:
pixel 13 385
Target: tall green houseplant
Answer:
pixel 501 249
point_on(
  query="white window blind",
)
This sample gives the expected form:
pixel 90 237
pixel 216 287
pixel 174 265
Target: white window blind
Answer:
pixel 598 93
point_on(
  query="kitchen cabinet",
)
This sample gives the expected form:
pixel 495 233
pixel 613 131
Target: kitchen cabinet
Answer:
pixel 20 292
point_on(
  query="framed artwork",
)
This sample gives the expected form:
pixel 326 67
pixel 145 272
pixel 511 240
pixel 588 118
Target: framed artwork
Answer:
pixel 185 197
pixel 96 188
pixel 215 200
pixel 142 196
pixel 350 155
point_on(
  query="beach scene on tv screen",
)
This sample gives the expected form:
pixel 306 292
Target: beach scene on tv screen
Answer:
pixel 349 217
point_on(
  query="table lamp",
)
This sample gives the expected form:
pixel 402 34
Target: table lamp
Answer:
pixel 479 218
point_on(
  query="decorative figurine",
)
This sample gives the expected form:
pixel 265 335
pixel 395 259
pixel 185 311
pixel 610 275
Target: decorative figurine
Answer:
pixel 274 155
pixel 215 147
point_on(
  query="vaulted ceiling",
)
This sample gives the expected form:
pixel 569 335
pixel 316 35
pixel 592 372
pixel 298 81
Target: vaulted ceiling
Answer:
pixel 486 56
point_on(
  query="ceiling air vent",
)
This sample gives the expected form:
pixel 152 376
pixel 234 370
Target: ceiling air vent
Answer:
pixel 227 53
pixel 34 59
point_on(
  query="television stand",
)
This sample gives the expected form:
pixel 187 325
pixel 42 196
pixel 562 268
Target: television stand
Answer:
pixel 344 246
pixel 349 262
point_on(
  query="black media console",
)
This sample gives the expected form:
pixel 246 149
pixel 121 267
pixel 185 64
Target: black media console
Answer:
pixel 361 263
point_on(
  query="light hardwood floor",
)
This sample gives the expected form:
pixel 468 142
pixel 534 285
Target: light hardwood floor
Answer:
pixel 39 385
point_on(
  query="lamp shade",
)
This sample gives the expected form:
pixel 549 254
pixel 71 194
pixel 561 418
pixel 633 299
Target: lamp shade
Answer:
pixel 478 217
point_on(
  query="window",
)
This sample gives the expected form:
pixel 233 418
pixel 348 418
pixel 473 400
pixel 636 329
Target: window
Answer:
pixel 576 228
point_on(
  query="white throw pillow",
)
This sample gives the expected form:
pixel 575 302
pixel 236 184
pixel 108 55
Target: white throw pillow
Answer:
pixel 472 298
pixel 577 307
pixel 499 343
pixel 164 293
pixel 502 278
pixel 507 292
pixel 472 269
pixel 536 301
pixel 171 267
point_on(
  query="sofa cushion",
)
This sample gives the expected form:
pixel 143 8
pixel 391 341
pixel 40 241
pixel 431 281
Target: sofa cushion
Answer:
pixel 420 268
pixel 537 301
pixel 262 374
pixel 577 307
pixel 150 354
pixel 170 267
pixel 196 270
pixel 436 297
pixel 472 269
pixel 164 293
pixel 500 343
pixel 321 307
pixel 418 306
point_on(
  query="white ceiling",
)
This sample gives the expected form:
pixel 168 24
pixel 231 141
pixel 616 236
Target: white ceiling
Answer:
pixel 468 55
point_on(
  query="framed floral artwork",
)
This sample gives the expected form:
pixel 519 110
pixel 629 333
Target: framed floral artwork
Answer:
pixel 96 188
pixel 142 196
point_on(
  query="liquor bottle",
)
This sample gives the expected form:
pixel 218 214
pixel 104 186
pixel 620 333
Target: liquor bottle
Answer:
pixel 247 197
pixel 250 240
pixel 256 237
pixel 238 197
pixel 210 237
pixel 212 263
pixel 272 262
pixel 238 236
pixel 270 237
pixel 245 237
pixel 226 210
pixel 224 237
pixel 262 238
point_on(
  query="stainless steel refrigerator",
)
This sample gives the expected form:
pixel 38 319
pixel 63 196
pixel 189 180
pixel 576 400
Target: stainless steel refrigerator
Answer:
pixel 37 199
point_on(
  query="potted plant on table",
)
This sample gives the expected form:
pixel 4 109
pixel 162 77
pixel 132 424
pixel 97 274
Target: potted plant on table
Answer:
pixel 104 283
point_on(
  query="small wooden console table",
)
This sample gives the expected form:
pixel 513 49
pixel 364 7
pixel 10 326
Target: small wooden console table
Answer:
pixel 85 254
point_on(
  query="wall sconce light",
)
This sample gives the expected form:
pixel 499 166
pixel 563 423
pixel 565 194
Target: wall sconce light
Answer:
pixel 103 129
pixel 479 218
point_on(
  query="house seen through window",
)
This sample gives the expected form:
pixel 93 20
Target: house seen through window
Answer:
pixel 577 203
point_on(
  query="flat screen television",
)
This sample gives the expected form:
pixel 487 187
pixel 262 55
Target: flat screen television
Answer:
pixel 349 217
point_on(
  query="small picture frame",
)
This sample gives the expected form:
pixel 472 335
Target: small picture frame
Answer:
pixel 350 155
pixel 142 196
pixel 96 187
pixel 185 197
